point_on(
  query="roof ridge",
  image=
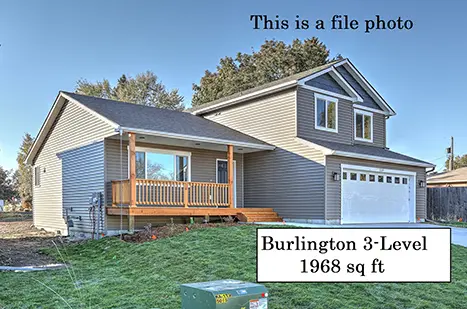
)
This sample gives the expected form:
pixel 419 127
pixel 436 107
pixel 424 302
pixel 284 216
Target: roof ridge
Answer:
pixel 266 85
pixel 119 101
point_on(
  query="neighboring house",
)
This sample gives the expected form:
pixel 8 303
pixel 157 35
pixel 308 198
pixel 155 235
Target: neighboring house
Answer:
pixel 310 147
pixel 455 178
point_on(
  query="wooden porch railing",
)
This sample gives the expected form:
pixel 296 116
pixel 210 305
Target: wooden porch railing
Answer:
pixel 172 193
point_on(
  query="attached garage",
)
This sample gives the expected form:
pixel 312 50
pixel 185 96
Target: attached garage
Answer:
pixel 377 195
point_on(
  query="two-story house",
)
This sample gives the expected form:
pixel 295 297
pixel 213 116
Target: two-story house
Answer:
pixel 310 147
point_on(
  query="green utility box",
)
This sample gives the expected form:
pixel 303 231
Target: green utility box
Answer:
pixel 224 294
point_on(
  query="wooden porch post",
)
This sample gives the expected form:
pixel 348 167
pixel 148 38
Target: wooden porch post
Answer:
pixel 230 174
pixel 132 142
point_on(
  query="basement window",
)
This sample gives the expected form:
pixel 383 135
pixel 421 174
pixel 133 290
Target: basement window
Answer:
pixel 363 126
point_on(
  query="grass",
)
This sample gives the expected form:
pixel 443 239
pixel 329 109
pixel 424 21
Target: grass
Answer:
pixel 113 274
pixel 453 224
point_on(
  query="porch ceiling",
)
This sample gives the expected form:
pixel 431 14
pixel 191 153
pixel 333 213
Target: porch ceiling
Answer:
pixel 178 142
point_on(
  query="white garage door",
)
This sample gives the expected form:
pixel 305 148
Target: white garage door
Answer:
pixel 371 195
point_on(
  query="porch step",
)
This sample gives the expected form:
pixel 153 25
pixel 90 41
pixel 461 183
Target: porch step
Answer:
pixel 259 216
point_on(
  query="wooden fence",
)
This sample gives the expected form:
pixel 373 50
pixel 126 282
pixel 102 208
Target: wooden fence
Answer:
pixel 447 203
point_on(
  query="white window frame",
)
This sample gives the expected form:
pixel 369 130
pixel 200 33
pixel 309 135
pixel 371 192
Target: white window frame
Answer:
pixel 364 113
pixel 327 99
pixel 37 176
pixel 175 153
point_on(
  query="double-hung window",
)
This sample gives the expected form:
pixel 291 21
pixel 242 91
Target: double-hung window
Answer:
pixel 162 164
pixel 325 113
pixel 363 122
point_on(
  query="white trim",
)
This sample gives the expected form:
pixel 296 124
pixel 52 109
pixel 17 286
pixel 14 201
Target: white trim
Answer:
pixel 377 170
pixel 327 152
pixel 329 93
pixel 364 113
pixel 373 110
pixel 245 97
pixel 327 100
pixel 344 84
pixel 314 75
pixel 175 153
pixel 197 138
pixel 235 177
pixel 51 116
pixel 84 107
pixel 412 184
pixel 363 82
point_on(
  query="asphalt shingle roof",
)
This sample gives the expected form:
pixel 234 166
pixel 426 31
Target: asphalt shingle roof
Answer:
pixel 457 175
pixel 142 117
pixel 293 77
pixel 365 150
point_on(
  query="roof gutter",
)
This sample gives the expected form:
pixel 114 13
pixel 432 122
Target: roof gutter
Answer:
pixel 246 97
pixel 198 138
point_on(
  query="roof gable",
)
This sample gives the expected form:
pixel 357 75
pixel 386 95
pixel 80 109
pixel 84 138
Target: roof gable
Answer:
pixel 367 100
pixel 315 76
pixel 328 83
pixel 136 118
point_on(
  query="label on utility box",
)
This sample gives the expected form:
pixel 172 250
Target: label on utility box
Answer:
pixel 354 255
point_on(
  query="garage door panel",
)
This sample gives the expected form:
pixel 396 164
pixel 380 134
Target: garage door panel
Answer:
pixel 375 197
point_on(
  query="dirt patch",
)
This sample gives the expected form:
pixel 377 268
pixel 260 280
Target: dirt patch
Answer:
pixel 20 244
pixel 15 216
pixel 154 233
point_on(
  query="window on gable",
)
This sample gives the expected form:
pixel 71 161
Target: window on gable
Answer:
pixel 326 113
pixel 363 126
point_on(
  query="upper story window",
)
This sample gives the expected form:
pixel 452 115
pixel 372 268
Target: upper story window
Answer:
pixel 363 122
pixel 325 113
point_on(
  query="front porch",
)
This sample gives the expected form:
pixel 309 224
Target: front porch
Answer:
pixel 155 190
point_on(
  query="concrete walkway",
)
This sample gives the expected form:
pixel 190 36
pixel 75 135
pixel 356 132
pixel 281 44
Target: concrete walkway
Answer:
pixel 459 235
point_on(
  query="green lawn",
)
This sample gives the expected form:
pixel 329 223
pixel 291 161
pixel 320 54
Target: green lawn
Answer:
pixel 453 224
pixel 114 274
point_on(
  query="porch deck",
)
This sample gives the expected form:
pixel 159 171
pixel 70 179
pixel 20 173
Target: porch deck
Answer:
pixel 243 214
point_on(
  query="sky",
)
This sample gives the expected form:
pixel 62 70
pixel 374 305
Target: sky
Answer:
pixel 46 46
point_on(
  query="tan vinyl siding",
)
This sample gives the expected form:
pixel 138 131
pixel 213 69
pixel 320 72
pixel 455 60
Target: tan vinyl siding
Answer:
pixel 333 192
pixel 74 127
pixel 345 113
pixel 203 168
pixel 290 178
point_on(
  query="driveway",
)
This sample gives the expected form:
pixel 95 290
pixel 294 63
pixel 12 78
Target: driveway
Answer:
pixel 459 235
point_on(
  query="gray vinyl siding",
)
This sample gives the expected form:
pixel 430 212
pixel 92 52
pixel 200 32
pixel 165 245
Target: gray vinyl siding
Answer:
pixel 83 174
pixel 333 190
pixel 306 119
pixel 379 131
pixel 203 169
pixel 367 99
pixel 345 124
pixel 74 127
pixel 290 178
pixel 326 82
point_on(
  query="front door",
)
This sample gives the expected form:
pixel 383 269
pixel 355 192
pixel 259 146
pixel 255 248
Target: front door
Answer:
pixel 221 175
